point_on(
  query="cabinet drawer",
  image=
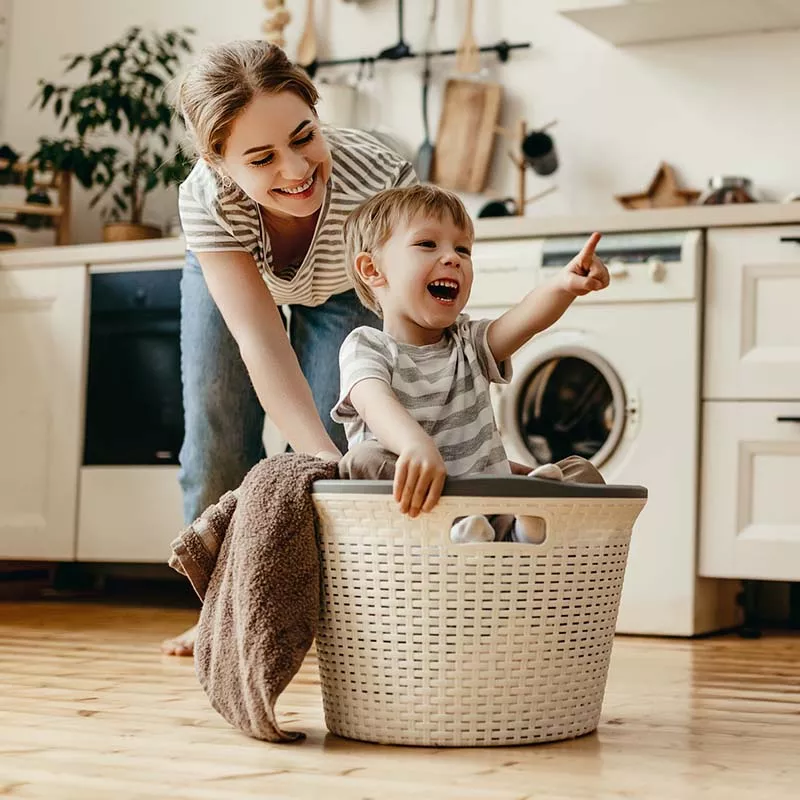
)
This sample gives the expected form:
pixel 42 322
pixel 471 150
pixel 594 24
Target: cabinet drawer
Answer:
pixel 749 508
pixel 504 272
pixel 128 513
pixel 752 329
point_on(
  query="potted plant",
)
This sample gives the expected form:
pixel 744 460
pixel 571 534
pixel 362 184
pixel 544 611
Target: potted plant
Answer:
pixel 120 121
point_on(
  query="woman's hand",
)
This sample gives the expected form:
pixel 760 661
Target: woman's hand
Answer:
pixel 329 455
pixel 419 476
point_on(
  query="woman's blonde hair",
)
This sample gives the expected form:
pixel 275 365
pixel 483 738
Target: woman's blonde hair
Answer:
pixel 370 225
pixel 223 82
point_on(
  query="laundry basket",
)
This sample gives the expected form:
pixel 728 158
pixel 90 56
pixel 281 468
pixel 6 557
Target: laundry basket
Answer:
pixel 426 642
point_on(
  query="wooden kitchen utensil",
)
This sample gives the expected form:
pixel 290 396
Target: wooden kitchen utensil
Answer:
pixel 307 47
pixel 465 139
pixel 500 206
pixel 468 55
pixel 470 110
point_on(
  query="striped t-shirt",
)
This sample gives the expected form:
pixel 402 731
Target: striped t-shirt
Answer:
pixel 444 386
pixel 219 217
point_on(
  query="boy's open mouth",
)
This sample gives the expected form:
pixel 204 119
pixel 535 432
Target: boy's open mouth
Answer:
pixel 444 290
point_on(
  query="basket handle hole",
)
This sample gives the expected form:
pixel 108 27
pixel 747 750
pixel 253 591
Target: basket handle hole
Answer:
pixel 475 529
pixel 529 529
pixel 483 528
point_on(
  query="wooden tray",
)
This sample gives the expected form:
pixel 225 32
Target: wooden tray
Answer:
pixel 465 138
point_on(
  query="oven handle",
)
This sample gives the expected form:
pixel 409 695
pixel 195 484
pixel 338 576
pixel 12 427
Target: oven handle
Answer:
pixel 788 419
pixel 792 239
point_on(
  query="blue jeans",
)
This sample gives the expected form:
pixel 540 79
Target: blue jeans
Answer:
pixel 223 416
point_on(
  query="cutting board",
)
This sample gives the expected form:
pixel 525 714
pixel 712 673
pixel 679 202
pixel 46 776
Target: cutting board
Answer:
pixel 465 138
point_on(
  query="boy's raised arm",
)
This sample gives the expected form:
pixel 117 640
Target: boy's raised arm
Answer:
pixel 542 307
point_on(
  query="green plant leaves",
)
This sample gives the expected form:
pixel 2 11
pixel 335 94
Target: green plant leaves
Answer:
pixel 46 94
pixel 74 63
pixel 120 119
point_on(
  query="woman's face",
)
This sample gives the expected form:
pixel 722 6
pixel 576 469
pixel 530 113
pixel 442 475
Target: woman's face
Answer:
pixel 276 154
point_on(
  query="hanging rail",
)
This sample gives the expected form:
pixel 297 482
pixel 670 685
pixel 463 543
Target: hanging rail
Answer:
pixel 502 48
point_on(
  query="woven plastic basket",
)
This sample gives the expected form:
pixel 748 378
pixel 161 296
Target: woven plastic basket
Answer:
pixel 426 642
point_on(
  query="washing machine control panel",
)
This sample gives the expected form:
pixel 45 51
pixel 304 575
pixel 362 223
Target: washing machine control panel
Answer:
pixel 660 265
pixel 658 269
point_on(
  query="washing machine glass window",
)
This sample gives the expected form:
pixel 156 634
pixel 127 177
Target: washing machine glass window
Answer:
pixel 570 401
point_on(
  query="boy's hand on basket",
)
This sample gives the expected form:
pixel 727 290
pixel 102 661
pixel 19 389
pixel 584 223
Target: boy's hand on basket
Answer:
pixel 419 476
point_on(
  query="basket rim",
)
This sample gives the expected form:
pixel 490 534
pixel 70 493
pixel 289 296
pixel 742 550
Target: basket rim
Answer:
pixel 492 486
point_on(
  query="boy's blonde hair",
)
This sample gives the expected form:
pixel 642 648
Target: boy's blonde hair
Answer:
pixel 224 81
pixel 370 225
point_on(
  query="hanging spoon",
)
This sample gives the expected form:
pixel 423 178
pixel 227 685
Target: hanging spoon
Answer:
pixel 468 56
pixel 307 47
pixel 424 160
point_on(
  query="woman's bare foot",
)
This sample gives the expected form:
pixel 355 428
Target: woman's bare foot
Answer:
pixel 182 645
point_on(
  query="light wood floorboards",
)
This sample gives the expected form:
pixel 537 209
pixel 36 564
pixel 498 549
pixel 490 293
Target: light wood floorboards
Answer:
pixel 89 709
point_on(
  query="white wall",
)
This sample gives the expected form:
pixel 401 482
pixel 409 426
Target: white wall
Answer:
pixel 728 105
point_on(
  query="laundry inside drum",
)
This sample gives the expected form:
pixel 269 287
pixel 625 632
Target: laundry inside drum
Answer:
pixel 567 407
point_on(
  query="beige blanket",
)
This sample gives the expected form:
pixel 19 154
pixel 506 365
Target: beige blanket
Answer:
pixel 253 560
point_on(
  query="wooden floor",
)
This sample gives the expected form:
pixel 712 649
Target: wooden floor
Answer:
pixel 90 709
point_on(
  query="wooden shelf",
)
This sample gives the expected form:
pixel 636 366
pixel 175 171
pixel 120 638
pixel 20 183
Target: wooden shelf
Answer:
pixel 14 223
pixel 36 209
pixel 58 182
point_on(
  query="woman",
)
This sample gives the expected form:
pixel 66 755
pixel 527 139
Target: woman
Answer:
pixel 262 213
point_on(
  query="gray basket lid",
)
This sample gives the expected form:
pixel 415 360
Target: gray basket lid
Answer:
pixel 493 486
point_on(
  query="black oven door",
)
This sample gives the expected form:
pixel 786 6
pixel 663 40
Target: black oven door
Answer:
pixel 134 407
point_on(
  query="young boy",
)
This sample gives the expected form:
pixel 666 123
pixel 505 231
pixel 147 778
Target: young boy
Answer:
pixel 415 399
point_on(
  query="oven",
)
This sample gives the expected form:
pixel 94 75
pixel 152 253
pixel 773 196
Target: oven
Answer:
pixel 134 406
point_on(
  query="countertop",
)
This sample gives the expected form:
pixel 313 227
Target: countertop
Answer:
pixel 155 250
pixel 658 219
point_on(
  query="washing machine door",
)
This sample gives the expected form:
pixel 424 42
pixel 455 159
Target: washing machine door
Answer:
pixel 564 399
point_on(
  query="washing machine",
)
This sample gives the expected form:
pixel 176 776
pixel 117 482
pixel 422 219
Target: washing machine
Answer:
pixel 617 381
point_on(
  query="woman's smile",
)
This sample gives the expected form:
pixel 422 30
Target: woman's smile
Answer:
pixel 300 191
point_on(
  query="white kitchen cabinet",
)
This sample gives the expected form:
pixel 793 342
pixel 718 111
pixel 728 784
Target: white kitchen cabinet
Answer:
pixel 42 325
pixel 128 513
pixel 498 264
pixel 750 514
pixel 752 329
pixel 625 22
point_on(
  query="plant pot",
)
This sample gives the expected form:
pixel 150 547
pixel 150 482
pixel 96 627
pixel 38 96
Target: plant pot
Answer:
pixel 129 231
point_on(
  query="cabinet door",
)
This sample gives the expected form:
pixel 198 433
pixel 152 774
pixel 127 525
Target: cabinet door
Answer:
pixel 750 514
pixel 752 348
pixel 42 323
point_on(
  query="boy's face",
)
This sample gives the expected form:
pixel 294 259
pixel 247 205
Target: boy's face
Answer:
pixel 425 275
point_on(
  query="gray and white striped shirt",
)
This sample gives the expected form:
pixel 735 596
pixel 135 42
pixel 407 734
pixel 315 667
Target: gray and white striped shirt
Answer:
pixel 444 386
pixel 216 217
